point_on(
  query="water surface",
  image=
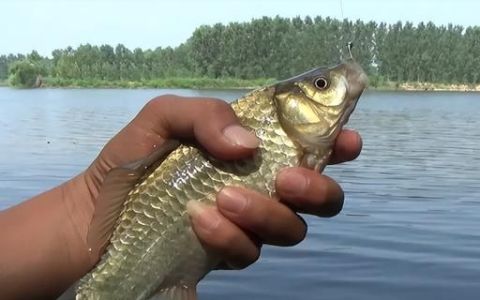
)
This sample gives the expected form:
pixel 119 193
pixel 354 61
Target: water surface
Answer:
pixel 409 228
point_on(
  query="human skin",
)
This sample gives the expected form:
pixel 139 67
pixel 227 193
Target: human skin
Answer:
pixel 43 239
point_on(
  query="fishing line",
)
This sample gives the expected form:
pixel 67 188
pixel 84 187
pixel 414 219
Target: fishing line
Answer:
pixel 349 44
pixel 341 9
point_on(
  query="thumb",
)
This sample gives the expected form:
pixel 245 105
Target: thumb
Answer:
pixel 211 122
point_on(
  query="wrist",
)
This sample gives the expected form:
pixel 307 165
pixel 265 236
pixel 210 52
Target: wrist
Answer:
pixel 44 248
pixel 78 195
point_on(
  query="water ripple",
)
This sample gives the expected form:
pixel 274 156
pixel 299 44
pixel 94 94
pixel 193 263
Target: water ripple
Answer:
pixel 409 228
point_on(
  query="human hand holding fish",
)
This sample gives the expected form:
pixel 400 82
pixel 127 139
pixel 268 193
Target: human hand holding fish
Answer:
pixel 68 227
pixel 243 219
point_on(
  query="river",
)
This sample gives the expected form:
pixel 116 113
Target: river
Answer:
pixel 409 228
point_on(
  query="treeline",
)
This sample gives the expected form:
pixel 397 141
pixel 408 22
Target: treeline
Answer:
pixel 271 48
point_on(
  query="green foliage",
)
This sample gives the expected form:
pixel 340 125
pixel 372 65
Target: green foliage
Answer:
pixel 266 48
pixel 171 82
pixel 25 73
pixel 3 67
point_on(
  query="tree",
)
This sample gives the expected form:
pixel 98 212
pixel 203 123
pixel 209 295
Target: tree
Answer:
pixel 277 48
pixel 3 67
pixel 25 73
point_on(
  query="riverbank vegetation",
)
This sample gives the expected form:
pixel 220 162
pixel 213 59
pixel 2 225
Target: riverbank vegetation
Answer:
pixel 396 56
pixel 171 82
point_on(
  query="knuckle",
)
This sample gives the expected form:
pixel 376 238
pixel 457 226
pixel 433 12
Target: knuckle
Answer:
pixel 217 106
pixel 160 101
pixel 229 239
pixel 261 223
pixel 258 215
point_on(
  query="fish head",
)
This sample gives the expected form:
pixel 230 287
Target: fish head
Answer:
pixel 313 107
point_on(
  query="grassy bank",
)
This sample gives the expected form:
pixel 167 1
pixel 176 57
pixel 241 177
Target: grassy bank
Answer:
pixel 195 83
pixel 426 86
pixel 379 83
pixel 3 82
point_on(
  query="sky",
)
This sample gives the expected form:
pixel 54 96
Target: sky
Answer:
pixel 45 25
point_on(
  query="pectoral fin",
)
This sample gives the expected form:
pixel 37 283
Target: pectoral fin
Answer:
pixel 115 188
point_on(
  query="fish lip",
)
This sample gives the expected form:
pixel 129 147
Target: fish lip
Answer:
pixel 355 75
pixel 358 82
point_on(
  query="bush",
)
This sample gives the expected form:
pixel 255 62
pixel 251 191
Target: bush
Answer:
pixel 24 73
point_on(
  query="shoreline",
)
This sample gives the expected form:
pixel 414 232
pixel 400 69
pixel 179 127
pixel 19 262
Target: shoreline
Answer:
pixel 234 84
pixel 162 83
pixel 427 87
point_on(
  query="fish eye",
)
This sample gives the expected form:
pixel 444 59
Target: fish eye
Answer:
pixel 321 83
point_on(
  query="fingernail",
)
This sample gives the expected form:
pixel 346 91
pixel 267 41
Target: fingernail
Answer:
pixel 231 200
pixel 240 136
pixel 202 216
pixel 292 183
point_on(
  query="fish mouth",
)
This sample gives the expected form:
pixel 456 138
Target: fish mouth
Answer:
pixel 357 83
pixel 355 76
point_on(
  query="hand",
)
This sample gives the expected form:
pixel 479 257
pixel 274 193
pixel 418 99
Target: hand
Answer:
pixel 243 219
pixel 44 241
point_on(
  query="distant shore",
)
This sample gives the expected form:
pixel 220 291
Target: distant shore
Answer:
pixel 428 87
pixel 174 82
pixel 233 83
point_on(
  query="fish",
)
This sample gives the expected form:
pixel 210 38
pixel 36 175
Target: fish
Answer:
pixel 153 252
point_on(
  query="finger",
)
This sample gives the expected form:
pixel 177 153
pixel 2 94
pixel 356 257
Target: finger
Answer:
pixel 220 235
pixel 211 122
pixel 271 221
pixel 347 147
pixel 309 192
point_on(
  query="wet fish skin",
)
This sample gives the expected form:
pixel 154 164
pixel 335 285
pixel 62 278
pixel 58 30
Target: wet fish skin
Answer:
pixel 153 250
